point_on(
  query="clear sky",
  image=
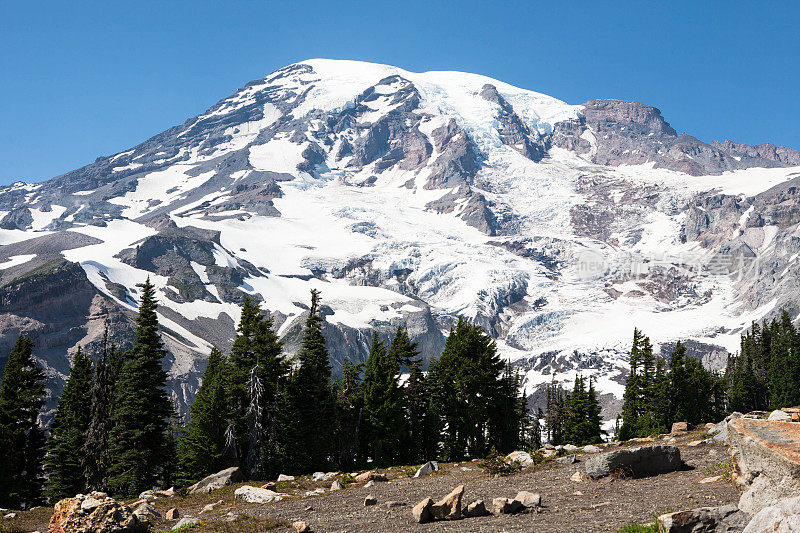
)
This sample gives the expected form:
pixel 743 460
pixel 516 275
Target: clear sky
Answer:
pixel 84 79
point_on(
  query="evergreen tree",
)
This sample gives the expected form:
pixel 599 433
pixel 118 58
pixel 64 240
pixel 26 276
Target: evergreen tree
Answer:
pixel 139 439
pixel 555 417
pixel 95 456
pixel 68 433
pixel 22 440
pixel 633 393
pixel 383 407
pixel 421 438
pixel 582 424
pixel 310 405
pixel 349 405
pixel 202 444
pixel 509 406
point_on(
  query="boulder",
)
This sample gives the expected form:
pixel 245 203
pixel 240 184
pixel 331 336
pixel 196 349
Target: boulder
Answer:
pixel 250 494
pixel 337 485
pixel 186 522
pixel 568 459
pixel 301 527
pixel 642 461
pixel 766 461
pixel 284 477
pixel 569 448
pixel 322 476
pixel 779 416
pixel 217 481
pixel 110 516
pixel 523 458
pixel 210 507
pixel 782 517
pixel 679 428
pixel 370 476
pixel 427 468
pixel 720 430
pixel 449 507
pixel 172 514
pixel 529 499
pixel 475 509
pixel 370 500
pixel 592 449
pixel 725 519
pixel 422 511
pixel 507 505
pixel 144 512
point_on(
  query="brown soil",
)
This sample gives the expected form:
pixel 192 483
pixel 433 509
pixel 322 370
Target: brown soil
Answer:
pixel 605 505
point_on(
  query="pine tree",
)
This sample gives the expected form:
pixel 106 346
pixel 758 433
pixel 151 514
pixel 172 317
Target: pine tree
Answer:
pixel 509 405
pixel 556 414
pixel 310 405
pixel 349 405
pixel 95 456
pixel 383 407
pixel 68 433
pixel 22 440
pixel 420 443
pixel 139 440
pixel 633 393
pixel 201 446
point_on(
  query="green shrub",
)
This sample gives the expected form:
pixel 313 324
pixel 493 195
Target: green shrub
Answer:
pixel 639 528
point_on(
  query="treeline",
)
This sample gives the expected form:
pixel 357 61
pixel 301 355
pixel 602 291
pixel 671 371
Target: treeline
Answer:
pixel 115 429
pixel 766 373
pixel 572 417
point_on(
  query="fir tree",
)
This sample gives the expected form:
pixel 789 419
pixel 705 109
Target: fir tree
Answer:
pixel 383 407
pixel 68 432
pixel 349 402
pixel 505 429
pixel 583 416
pixel 95 456
pixel 22 440
pixel 556 414
pixel 202 443
pixel 421 439
pixel 139 439
pixel 310 406
pixel 633 393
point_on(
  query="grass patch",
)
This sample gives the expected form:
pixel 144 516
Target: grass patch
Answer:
pixel 723 468
pixel 639 528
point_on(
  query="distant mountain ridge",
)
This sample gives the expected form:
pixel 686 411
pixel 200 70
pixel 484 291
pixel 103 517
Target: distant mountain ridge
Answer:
pixel 408 198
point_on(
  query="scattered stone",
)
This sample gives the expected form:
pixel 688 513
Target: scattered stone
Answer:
pixel 507 506
pixel 568 459
pixel 475 509
pixel 111 515
pixel 368 484
pixel 523 458
pixel 529 499
pixel 210 507
pixel 170 492
pixel 592 449
pixel 284 477
pixel 315 492
pixel 780 416
pixel 422 511
pixel 145 512
pixel 173 514
pixel 337 485
pixel 549 446
pixel 370 500
pixel 569 448
pixel 393 503
pixel 184 522
pixel 301 527
pixel 147 495
pixel 9 516
pixel 427 468
pixel 643 461
pixel 322 476
pixel 549 453
pixel 712 479
pixel 250 494
pixel 308 509
pixel 727 518
pixel 449 507
pixel 371 476
pixel 766 462
pixel 679 428
pixel 217 481
pixel 577 493
pixel 577 477
pixel 712 453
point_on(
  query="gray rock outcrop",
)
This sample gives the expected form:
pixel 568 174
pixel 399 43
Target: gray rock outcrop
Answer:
pixel 216 481
pixel 724 519
pixel 642 461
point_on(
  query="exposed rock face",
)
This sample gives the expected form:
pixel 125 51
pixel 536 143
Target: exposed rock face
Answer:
pixel 766 461
pixel 764 151
pixel 217 481
pixel 782 517
pixel 725 519
pixel 108 516
pixel 642 461
pixel 513 131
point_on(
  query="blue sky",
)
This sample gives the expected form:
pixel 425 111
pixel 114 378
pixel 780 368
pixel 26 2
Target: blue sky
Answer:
pixel 83 79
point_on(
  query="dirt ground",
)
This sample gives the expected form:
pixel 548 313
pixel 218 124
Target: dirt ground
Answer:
pixel 605 505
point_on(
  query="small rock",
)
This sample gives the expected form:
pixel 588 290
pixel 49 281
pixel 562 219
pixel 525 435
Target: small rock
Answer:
pixel 577 493
pixel 301 527
pixel 284 477
pixel 695 443
pixel 507 506
pixel 449 507
pixel 170 492
pixel 712 453
pixel 529 499
pixel 315 492
pixel 210 507
pixel 217 481
pixel 250 494
pixel 523 458
pixel 322 476
pixel 371 476
pixel 569 448
pixel 145 511
pixel 172 514
pixel 337 485
pixel 369 484
pixel 147 495
pixel 568 459
pixel 549 446
pixel 10 516
pixel 370 500
pixel 183 522
pixel 475 509
pixel 269 485
pixel 393 503
pixel 780 416
pixel 422 511
pixel 427 468
pixel 592 449
pixel 577 477
pixel 712 479
pixel 678 428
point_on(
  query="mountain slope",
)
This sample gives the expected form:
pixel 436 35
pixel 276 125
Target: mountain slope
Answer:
pixel 411 198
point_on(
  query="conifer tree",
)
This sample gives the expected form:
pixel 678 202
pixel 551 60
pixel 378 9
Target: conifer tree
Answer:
pixel 383 407
pixel 556 414
pixel 632 394
pixel 582 424
pixel 95 453
pixel 22 440
pixel 349 402
pixel 420 443
pixel 139 439
pixel 509 406
pixel 64 461
pixel 310 405
pixel 202 443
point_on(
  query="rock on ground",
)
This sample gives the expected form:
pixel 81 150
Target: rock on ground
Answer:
pixel 766 461
pixel 449 507
pixel 284 477
pixel 529 499
pixel 301 527
pixel 507 505
pixel 642 461
pixel 370 500
pixel 725 519
pixel 109 516
pixel 720 431
pixel 427 468
pixel 217 481
pixel 782 517
pixel 256 495
pixel 422 511
pixel 475 509
pixel 523 458
pixel 780 416
pixel 188 521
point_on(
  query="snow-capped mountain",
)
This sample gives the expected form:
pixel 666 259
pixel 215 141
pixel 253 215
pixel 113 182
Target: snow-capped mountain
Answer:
pixel 409 198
